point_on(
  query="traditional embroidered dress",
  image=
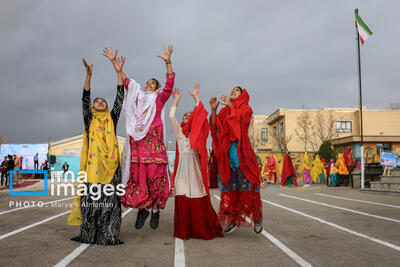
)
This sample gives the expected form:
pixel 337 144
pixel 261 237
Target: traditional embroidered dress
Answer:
pixel 318 171
pixel 100 219
pixel 144 159
pixel 271 170
pixel 239 175
pixel 194 215
pixel 288 174
pixel 307 179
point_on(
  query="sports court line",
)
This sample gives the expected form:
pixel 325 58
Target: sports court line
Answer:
pixel 300 261
pixel 341 208
pixel 359 200
pixel 32 225
pixel 35 205
pixel 381 242
pixel 76 252
pixel 179 260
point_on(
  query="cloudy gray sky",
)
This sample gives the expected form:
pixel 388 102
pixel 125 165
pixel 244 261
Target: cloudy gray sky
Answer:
pixel 287 53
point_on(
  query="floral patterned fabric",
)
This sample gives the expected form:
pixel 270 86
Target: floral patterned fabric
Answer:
pixel 148 184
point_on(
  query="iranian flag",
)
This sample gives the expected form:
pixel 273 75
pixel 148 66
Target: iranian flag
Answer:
pixel 363 31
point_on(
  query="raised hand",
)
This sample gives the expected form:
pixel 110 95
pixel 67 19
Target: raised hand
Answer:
pixel 195 92
pixel 167 53
pixel 89 69
pixel 176 94
pixel 110 54
pixel 226 101
pixel 214 103
pixel 119 63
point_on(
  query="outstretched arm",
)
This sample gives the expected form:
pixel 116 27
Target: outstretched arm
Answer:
pixel 175 125
pixel 195 93
pixel 119 99
pixel 167 58
pixel 112 56
pixel 214 106
pixel 86 94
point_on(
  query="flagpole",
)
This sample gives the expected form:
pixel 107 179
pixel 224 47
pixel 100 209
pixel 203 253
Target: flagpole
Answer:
pixel 361 115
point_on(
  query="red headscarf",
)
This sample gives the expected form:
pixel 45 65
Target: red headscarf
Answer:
pixel 288 170
pixel 233 124
pixel 197 126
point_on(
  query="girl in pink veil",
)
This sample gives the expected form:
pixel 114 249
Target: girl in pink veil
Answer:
pixel 144 158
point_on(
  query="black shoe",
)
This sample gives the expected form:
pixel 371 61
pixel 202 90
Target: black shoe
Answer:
pixel 258 227
pixel 230 228
pixel 155 219
pixel 141 218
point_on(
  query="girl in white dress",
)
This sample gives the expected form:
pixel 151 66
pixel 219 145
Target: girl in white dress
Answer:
pixel 194 215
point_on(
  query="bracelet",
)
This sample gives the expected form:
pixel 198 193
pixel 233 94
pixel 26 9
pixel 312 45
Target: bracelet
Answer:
pixel 167 62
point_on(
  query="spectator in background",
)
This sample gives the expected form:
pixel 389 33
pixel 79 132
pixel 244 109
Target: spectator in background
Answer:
pixel 4 170
pixel 17 177
pixel 36 161
pixel 65 167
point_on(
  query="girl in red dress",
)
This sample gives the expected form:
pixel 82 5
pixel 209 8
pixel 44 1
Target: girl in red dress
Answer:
pixel 239 175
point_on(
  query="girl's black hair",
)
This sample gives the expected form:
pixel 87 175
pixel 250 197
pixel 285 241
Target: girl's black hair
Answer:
pixel 157 82
pixel 100 98
pixel 240 88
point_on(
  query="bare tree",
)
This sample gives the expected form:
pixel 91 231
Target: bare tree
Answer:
pixel 303 130
pixel 281 141
pixel 323 128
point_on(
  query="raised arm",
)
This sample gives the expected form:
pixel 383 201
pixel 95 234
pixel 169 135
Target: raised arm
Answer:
pixel 175 125
pixel 86 94
pixel 169 85
pixel 167 58
pixel 119 99
pixel 195 93
pixel 112 56
pixel 214 106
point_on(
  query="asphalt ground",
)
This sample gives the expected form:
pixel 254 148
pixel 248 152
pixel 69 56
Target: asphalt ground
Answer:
pixel 317 226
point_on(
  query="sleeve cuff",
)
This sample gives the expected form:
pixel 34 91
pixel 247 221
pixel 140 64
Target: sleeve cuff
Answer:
pixel 86 93
pixel 171 75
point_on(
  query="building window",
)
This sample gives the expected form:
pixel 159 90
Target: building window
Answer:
pixel 344 126
pixel 264 135
pixel 387 147
pixel 281 128
pixel 275 131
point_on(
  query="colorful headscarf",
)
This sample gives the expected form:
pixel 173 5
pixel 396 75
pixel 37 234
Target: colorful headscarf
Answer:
pixel 99 156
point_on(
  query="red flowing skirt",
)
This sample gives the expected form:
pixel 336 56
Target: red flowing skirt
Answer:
pixel 195 218
pixel 240 207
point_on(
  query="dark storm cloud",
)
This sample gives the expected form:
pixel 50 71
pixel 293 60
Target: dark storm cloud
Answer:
pixel 287 53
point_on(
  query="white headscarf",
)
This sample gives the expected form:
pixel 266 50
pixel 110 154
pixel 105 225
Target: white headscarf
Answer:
pixel 140 109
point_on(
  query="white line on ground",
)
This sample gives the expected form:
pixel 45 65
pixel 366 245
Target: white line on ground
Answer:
pixel 341 208
pixel 76 252
pixel 179 260
pixel 381 242
pixel 359 200
pixel 32 225
pixel 281 246
pixel 36 205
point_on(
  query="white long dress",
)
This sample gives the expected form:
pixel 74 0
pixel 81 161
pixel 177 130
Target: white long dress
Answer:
pixel 188 180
